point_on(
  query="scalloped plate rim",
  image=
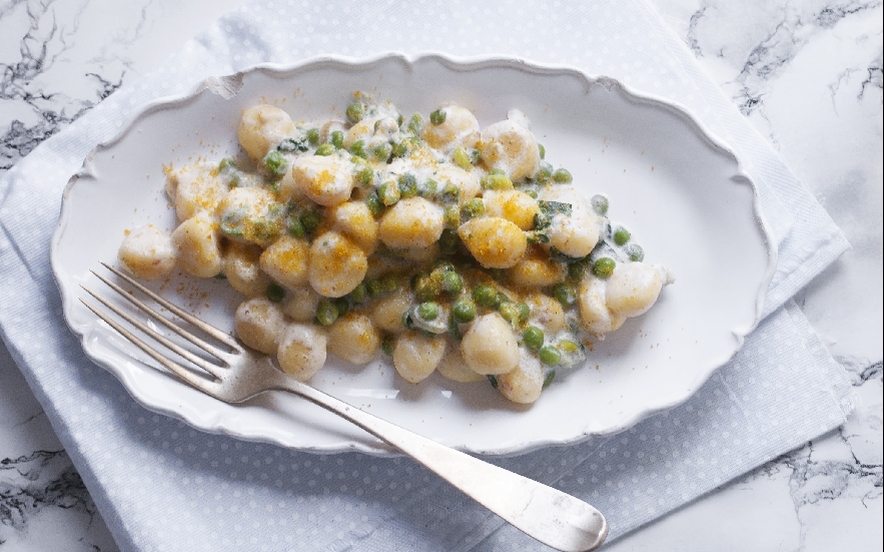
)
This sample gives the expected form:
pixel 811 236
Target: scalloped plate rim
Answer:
pixel 221 85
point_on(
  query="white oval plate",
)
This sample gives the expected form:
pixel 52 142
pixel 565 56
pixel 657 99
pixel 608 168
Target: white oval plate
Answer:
pixel 681 191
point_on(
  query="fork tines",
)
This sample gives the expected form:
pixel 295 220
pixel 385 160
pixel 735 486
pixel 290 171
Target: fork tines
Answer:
pixel 210 367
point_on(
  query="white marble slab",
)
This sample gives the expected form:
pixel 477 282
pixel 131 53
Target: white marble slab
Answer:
pixel 807 73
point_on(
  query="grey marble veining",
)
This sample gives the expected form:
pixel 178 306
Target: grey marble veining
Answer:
pixel 825 496
pixel 42 103
pixel 41 479
pixel 794 68
pixel 44 504
pixel 779 33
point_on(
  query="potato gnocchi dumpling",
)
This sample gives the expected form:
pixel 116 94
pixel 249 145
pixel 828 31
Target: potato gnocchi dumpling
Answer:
pixel 337 265
pixel 493 241
pixel 425 239
pixel 259 323
pixel 286 261
pixel 262 128
pixel 454 367
pixel 511 147
pixel 523 383
pixel 490 346
pixel 326 180
pixel 147 253
pixel 242 267
pixel 452 126
pixel 302 350
pixel 198 246
pixel 416 355
pixel 412 222
pixel 354 337
pixel 195 189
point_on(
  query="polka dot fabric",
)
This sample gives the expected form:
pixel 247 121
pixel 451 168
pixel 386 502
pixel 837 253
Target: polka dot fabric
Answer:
pixel 163 486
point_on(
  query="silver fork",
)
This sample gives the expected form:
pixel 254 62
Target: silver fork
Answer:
pixel 552 517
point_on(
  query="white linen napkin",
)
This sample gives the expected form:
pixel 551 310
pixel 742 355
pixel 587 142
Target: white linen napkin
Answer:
pixel 163 486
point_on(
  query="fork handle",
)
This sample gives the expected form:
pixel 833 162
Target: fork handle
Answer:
pixel 552 517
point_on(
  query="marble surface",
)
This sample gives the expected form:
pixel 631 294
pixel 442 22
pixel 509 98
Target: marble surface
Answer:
pixel 807 74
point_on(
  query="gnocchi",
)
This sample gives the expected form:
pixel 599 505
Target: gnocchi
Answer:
pixel 433 241
pixel 147 253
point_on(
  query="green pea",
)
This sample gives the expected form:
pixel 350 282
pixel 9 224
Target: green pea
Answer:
pixel 562 176
pixel 452 283
pixel 544 173
pixel 486 296
pixel 355 112
pixel 533 337
pixel 496 182
pixel 448 242
pixel 429 188
pixel 375 205
pixel 450 192
pixel 635 252
pixel 438 117
pixel 296 228
pixel 389 283
pixel 337 139
pixel 524 311
pixel 374 288
pixel 510 312
pixel 357 148
pixel 326 312
pixel 226 163
pixel 400 149
pixel 621 235
pixel 428 310
pixel 473 208
pixel 442 265
pixel 365 176
pixel 568 346
pixel 461 158
pixel 541 150
pixel 313 137
pixel 325 150
pixel 407 186
pixel 275 292
pixel 577 270
pixel 383 152
pixel 416 123
pixel 359 293
pixel 389 193
pixel 600 204
pixel 388 343
pixel 603 267
pixel 451 216
pixel 549 355
pixel 310 220
pixel 342 305
pixel 275 163
pixel 463 310
pixel 565 294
